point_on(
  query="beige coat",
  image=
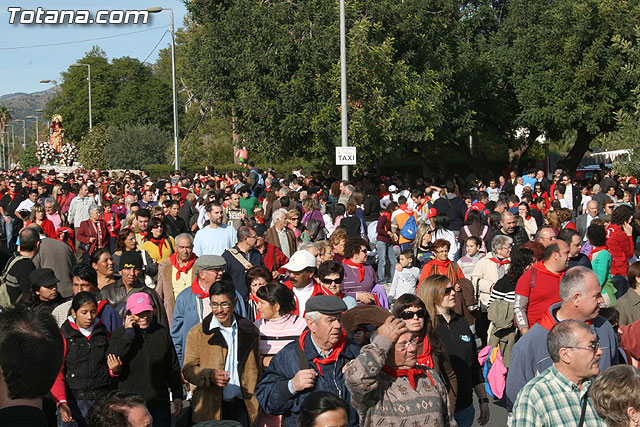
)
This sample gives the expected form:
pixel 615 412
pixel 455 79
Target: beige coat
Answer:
pixel 484 276
pixel 165 286
pixel 206 350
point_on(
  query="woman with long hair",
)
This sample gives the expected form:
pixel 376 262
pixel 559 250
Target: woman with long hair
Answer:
pixel 474 225
pixel 102 262
pixel 39 216
pixel 530 225
pixel 423 245
pixel 438 295
pixel 431 352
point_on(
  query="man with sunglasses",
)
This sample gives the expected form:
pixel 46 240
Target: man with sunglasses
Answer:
pixel 559 396
pixel 580 295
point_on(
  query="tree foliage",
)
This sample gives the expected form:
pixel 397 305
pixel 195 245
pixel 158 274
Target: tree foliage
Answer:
pixel 131 146
pixel 92 153
pixel 123 91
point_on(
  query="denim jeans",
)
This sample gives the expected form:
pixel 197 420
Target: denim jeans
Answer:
pixel 385 250
pixel 11 243
pixel 464 417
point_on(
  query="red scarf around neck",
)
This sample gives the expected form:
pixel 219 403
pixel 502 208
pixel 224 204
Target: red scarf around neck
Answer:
pixel 595 251
pixel 500 263
pixel 337 349
pixel 425 358
pixel 174 261
pixel 12 195
pixel 360 268
pixel 197 289
pixel 411 374
pixel 159 243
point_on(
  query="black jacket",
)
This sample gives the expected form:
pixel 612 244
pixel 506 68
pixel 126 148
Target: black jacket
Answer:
pixel 236 270
pixel 519 237
pixel 116 294
pixel 460 344
pixel 149 364
pixel 174 226
pixel 372 208
pixel 454 207
pixel 85 361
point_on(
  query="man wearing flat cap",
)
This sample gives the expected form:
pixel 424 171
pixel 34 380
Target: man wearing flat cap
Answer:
pixel 192 304
pixel 128 283
pixel 313 362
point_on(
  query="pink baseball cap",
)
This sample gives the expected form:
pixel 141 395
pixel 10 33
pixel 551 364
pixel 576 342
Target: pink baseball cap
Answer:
pixel 139 302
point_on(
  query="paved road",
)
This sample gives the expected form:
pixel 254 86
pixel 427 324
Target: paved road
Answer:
pixel 498 415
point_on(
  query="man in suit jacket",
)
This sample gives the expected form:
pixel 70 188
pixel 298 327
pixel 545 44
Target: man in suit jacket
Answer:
pixel 573 192
pixel 584 220
pixel 280 235
pixel 546 184
pixel 509 187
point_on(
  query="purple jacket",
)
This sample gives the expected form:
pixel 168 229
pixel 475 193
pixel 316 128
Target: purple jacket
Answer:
pixel 350 284
pixel 314 214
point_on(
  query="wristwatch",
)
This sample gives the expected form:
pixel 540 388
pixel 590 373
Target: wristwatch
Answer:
pixel 483 400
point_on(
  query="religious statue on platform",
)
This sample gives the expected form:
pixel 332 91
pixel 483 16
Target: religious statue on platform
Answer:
pixel 56 135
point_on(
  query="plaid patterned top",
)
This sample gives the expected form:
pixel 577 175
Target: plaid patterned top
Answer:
pixel 550 399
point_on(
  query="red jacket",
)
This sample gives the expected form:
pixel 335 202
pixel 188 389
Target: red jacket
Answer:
pixel 620 246
pixel 545 290
pixel 84 235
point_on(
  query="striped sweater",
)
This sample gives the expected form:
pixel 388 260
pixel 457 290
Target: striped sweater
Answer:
pixel 277 333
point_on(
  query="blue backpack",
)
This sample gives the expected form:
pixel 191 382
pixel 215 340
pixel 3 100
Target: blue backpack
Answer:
pixel 409 229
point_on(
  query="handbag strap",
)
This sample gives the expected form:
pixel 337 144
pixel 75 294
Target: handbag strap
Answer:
pixel 583 413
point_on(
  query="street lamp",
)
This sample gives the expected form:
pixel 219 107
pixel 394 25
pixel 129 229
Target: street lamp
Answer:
pixel 37 134
pixel 176 158
pixel 89 80
pixel 24 133
pixel 13 137
pixel 343 85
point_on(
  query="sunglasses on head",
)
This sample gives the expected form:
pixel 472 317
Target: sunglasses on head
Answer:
pixel 408 314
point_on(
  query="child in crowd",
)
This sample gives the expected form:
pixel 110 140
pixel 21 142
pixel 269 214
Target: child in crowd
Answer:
pixel 468 262
pixel 406 276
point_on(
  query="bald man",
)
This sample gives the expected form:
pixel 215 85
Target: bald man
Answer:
pixel 509 228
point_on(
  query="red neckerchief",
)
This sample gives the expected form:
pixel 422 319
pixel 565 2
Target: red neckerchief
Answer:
pixel 406 209
pixel 360 268
pixel 142 234
pixel 174 261
pixel 159 243
pixel 318 289
pixel 12 195
pixel 425 358
pixel 337 349
pixel 48 181
pixel 439 263
pixel 596 250
pixel 411 374
pixel 197 289
pixel 500 263
pixel 255 299
pixel 388 215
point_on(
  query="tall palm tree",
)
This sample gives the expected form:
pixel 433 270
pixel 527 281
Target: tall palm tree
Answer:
pixel 5 117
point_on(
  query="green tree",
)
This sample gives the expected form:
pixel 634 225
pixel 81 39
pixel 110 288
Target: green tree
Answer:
pixel 92 153
pixel 131 146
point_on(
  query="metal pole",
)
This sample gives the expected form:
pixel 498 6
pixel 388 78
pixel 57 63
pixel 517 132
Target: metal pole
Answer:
pixel 89 80
pixel 24 134
pixel 37 133
pixel 343 84
pixel 2 162
pixel 176 157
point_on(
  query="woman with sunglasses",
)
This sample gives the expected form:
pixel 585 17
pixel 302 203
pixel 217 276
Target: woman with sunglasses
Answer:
pixel 431 352
pixel 330 275
pixel 158 244
pixel 439 297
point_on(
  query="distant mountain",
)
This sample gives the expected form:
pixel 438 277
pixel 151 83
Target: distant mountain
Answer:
pixel 24 104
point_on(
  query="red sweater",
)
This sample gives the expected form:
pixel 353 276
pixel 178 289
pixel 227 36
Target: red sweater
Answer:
pixel 620 246
pixel 546 291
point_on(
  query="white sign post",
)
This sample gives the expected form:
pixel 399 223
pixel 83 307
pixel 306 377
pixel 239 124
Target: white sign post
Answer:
pixel 345 156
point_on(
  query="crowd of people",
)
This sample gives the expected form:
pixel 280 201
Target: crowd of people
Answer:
pixel 267 299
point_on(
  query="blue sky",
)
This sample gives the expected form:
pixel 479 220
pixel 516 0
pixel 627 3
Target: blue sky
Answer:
pixel 22 69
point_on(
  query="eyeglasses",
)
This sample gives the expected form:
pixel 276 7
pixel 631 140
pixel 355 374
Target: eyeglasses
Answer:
pixel 363 250
pixel 408 314
pixel 224 305
pixel 403 347
pixel 593 347
pixel 448 290
pixel 157 227
pixel 330 281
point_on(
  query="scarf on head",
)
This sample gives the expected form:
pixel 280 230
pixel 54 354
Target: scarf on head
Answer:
pixel 174 261
pixel 500 262
pixel 425 358
pixel 337 349
pixel 359 266
pixel 411 374
pixel 159 243
pixel 197 289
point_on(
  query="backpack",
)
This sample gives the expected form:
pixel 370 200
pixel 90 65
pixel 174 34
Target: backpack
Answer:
pixel 7 280
pixel 316 230
pixel 409 229
pixel 483 247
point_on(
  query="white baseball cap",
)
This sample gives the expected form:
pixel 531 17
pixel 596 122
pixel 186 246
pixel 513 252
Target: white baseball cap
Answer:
pixel 300 260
